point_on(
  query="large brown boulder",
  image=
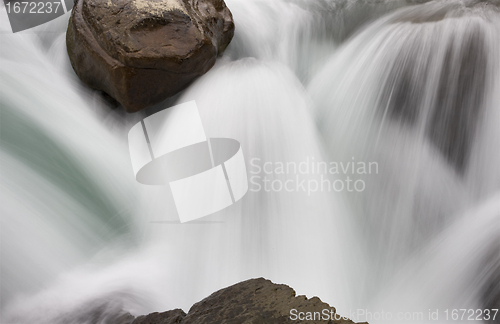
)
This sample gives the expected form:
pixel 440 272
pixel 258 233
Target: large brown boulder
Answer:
pixel 142 51
pixel 255 301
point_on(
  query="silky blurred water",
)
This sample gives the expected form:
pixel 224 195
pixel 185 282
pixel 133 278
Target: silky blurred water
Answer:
pixel 410 87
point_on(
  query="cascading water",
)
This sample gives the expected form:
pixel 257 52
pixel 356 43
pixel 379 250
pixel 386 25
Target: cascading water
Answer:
pixel 415 92
pixel 419 91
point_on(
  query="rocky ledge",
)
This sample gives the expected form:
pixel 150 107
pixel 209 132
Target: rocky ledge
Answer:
pixel 250 302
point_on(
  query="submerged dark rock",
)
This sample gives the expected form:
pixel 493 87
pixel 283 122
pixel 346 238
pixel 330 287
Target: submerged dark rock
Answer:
pixel 252 301
pixel 141 52
pixel 439 84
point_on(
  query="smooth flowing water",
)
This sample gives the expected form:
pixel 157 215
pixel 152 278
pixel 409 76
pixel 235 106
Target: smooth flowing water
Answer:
pixel 403 98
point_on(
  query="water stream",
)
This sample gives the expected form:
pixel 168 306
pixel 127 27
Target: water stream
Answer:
pixel 401 97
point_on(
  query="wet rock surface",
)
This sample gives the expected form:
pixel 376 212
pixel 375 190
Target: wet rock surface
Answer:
pixel 141 52
pixel 252 301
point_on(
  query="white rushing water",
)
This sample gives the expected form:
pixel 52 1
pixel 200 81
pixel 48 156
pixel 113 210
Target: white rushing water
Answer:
pixel 410 90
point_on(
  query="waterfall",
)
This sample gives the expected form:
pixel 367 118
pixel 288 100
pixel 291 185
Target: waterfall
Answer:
pixel 409 91
pixel 417 91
